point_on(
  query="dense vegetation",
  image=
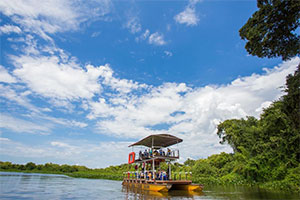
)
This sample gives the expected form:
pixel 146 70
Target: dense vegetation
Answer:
pixel 112 172
pixel 267 150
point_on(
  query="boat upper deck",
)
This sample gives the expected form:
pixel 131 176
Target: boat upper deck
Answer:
pixel 172 155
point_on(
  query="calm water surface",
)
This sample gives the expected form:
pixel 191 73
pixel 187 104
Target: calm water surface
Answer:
pixel 46 186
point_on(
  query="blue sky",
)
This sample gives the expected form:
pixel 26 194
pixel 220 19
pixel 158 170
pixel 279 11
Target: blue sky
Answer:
pixel 80 81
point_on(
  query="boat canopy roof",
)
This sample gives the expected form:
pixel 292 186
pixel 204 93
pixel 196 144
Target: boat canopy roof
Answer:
pixel 158 140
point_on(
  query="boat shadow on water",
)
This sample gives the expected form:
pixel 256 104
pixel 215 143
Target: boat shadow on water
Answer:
pixel 136 193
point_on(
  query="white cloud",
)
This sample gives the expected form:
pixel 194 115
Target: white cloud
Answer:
pixel 50 16
pixel 51 78
pixel 120 85
pixel 168 53
pixel 17 96
pixel 157 39
pixel 146 34
pixel 153 38
pixel 96 34
pixel 6 29
pixel 5 76
pixel 78 124
pixel 68 152
pixel 60 144
pixel 133 25
pixel 22 126
pixel 4 139
pixel 188 16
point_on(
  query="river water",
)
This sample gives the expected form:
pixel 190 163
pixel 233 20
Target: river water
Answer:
pixel 46 186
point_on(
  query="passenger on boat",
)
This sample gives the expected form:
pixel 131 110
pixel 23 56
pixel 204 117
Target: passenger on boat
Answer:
pixel 169 152
pixel 143 167
pixel 157 175
pixel 150 175
pixel 160 152
pixel 164 175
pixel 160 175
pixel 141 155
pixel 155 153
pixel 145 153
pixel 150 152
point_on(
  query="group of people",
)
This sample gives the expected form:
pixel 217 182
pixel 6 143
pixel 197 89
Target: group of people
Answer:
pixel 148 174
pixel 148 153
pixel 161 175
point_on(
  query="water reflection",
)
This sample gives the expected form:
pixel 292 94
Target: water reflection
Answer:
pixel 44 186
pixel 240 192
pixel 135 193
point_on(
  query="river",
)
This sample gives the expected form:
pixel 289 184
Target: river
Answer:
pixel 47 186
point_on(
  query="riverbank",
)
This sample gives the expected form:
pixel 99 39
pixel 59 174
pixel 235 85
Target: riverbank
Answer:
pixel 48 186
pixel 89 175
pixel 116 173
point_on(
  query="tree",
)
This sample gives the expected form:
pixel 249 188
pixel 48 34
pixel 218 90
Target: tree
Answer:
pixel 30 166
pixel 189 162
pixel 272 30
pixel 239 133
pixel 292 98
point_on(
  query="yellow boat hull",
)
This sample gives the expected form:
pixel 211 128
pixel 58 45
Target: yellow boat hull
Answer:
pixel 148 186
pixel 190 187
pixel 163 186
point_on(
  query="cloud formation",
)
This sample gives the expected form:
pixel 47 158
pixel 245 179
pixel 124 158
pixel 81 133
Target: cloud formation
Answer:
pixel 157 39
pixel 68 152
pixel 133 25
pixel 51 16
pixel 191 113
pixel 7 29
pixel 22 126
pixel 188 16
pixel 50 78
pixel 5 76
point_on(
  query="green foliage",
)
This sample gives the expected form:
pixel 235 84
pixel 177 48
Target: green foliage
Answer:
pixel 232 178
pixel 271 31
pixel 189 162
pixel 30 166
pixel 238 132
pixel 202 168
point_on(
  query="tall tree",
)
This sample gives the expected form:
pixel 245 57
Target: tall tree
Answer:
pixel 292 98
pixel 273 30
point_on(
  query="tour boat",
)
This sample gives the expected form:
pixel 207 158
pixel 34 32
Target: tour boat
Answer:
pixel 148 175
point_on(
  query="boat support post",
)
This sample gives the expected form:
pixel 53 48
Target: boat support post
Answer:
pixel 153 164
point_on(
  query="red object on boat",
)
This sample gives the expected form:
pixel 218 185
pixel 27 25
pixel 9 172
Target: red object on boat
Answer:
pixel 131 158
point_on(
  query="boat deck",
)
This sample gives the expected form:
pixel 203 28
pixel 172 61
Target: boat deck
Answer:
pixel 173 182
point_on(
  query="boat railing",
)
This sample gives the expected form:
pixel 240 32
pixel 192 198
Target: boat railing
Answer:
pixel 139 175
pixel 171 153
